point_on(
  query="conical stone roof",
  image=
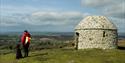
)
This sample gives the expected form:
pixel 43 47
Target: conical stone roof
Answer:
pixel 95 22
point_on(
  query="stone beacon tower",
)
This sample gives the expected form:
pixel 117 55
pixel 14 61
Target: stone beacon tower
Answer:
pixel 96 32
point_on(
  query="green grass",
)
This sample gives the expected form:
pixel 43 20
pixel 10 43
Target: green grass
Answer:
pixel 45 52
pixel 68 56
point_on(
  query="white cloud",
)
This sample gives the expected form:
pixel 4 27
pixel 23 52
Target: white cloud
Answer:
pixel 54 18
pixel 61 21
pixel 107 7
pixel 117 10
pixel 100 3
pixel 8 21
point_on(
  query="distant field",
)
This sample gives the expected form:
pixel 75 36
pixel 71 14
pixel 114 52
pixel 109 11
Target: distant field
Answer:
pixel 121 44
pixel 58 49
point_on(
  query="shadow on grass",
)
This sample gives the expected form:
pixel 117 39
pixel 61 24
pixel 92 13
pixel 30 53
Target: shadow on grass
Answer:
pixel 41 54
pixel 121 47
pixel 6 53
pixel 39 57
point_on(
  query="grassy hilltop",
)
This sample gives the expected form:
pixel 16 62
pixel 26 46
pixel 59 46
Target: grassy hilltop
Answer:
pixel 68 56
pixel 58 49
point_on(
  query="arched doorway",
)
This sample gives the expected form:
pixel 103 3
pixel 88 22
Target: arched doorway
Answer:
pixel 77 39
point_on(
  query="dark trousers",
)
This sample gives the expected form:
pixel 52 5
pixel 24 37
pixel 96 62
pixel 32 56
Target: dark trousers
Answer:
pixel 26 50
pixel 18 53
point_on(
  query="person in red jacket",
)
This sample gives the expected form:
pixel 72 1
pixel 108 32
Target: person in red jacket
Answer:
pixel 25 39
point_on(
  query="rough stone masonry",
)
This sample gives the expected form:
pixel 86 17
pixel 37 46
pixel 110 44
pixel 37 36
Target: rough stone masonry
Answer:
pixel 96 32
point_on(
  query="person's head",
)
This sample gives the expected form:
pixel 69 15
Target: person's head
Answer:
pixel 25 31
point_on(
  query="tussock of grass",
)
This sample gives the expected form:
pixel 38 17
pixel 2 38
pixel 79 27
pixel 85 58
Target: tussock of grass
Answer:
pixel 68 56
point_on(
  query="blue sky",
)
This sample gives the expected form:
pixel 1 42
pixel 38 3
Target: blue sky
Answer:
pixel 56 15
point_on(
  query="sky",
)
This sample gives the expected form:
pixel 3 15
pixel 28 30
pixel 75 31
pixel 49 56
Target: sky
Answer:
pixel 56 15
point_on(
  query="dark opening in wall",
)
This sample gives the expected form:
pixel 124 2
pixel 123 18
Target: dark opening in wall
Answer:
pixel 77 39
pixel 90 39
pixel 77 34
pixel 103 33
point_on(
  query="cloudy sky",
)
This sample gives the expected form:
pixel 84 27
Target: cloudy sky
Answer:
pixel 56 15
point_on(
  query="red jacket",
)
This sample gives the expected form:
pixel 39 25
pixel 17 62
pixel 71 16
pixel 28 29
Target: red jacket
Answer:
pixel 23 38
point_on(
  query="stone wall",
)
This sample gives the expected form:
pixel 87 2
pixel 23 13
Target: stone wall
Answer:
pixel 98 38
